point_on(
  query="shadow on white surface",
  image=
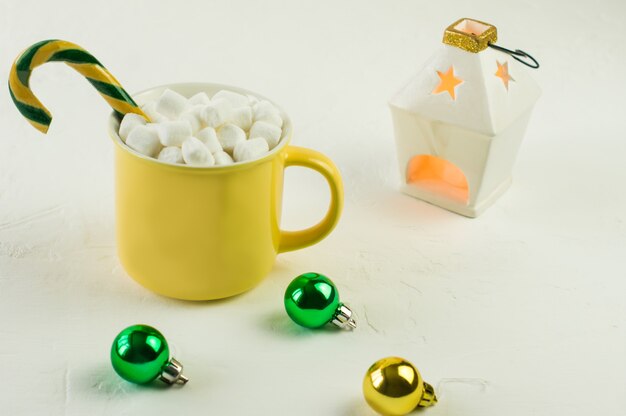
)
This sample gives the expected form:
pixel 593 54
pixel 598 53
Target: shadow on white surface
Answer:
pixel 278 323
pixel 102 380
pixel 405 209
pixel 191 304
pixel 357 407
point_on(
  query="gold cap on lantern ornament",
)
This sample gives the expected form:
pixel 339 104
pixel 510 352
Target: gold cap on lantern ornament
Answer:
pixel 470 35
pixel 475 36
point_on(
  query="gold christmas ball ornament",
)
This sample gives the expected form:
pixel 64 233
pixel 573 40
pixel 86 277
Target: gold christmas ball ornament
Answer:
pixel 393 386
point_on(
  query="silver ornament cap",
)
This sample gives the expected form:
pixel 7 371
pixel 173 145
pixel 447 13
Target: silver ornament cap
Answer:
pixel 173 373
pixel 343 318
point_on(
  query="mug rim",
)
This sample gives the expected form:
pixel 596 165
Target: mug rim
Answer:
pixel 287 128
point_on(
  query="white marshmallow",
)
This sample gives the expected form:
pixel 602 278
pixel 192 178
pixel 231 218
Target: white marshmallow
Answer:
pixel 194 117
pixel 224 109
pixel 271 118
pixel 129 122
pixel 229 135
pixel 208 137
pixel 196 154
pixel 236 99
pixel 252 100
pixel 200 98
pixel 270 132
pixel 242 117
pixel 150 110
pixel 144 139
pixel 211 116
pixel 173 133
pixel 265 111
pixel 171 154
pixel 222 158
pixel 171 104
pixel 250 149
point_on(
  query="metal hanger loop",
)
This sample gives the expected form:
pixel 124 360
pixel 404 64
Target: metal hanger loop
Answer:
pixel 516 54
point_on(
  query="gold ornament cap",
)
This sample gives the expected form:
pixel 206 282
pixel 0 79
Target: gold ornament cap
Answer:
pixel 393 386
pixel 470 35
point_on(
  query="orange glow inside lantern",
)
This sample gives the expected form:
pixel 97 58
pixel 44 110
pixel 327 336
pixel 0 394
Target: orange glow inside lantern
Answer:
pixel 438 176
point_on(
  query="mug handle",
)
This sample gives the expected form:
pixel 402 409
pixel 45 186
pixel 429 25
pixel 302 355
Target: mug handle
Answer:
pixel 300 156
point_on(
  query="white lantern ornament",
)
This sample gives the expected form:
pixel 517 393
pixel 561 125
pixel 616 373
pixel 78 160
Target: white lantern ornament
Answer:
pixel 460 121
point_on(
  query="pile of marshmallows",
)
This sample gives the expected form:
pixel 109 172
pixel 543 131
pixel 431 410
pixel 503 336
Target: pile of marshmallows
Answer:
pixel 202 131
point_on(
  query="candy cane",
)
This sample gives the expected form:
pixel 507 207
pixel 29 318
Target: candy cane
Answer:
pixel 76 57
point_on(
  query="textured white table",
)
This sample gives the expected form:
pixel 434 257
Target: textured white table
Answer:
pixel 519 312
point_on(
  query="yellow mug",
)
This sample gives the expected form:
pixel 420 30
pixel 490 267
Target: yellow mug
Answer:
pixel 201 233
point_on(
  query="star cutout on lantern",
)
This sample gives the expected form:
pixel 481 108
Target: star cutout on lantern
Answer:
pixel 447 82
pixel 503 73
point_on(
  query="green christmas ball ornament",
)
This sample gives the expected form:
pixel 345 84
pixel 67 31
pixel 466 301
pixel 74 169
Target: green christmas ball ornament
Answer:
pixel 140 354
pixel 312 301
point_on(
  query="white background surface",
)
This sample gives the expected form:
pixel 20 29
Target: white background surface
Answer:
pixel 518 312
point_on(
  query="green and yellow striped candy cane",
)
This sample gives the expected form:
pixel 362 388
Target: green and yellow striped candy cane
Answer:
pixel 54 50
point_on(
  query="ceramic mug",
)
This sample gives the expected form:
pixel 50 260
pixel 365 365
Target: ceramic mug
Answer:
pixel 201 233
